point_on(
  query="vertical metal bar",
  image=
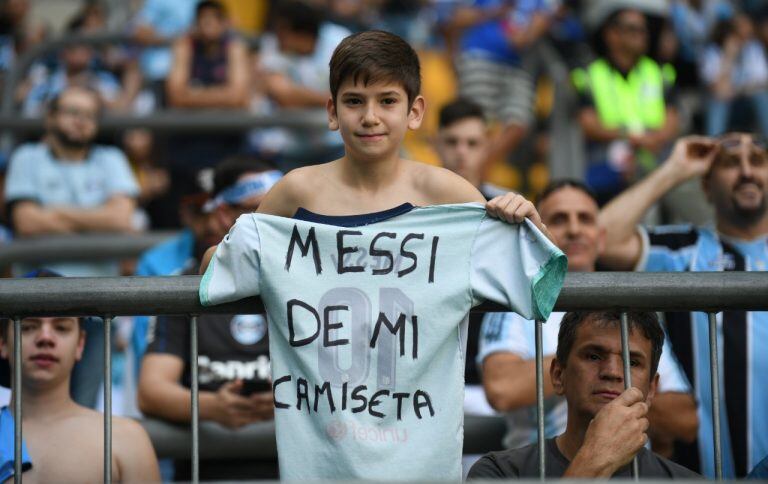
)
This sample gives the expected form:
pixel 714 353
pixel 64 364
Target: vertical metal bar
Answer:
pixel 627 375
pixel 195 399
pixel 714 375
pixel 16 386
pixel 107 399
pixel 540 399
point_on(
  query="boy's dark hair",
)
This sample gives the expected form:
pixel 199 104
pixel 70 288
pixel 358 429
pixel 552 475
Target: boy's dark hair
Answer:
pixel 557 185
pixel 298 16
pixel 459 110
pixel 219 9
pixel 375 56
pixel 646 322
pixel 226 173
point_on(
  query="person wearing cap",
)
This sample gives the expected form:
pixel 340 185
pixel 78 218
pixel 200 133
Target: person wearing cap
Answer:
pixel 734 176
pixel 60 435
pixel 233 360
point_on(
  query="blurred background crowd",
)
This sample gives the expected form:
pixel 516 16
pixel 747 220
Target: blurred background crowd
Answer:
pixel 185 112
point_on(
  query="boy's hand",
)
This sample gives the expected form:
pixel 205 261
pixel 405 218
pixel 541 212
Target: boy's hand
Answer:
pixel 514 208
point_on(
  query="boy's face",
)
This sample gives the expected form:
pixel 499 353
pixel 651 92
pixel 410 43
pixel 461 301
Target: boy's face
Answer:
pixel 373 119
pixel 463 146
pixel 50 347
pixel 594 372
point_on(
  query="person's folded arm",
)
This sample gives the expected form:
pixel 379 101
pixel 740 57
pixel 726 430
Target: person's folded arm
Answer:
pixel 116 215
pixel 510 381
pixel 31 219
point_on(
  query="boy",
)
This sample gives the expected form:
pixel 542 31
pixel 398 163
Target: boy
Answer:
pixel 368 324
pixel 63 439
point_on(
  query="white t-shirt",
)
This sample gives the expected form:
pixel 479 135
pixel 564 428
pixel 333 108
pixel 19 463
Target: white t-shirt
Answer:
pixel 510 333
pixel 367 329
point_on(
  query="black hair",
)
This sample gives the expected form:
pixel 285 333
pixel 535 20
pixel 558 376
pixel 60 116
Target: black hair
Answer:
pixel 557 185
pixel 647 322
pixel 52 104
pixel 227 172
pixel 458 110
pixel 298 16
pixel 373 56
pixel 214 5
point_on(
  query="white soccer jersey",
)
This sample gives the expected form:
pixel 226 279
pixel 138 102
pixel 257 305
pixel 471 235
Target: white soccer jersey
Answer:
pixel 366 332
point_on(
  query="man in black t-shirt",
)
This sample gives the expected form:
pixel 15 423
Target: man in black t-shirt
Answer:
pixel 233 360
pixel 607 425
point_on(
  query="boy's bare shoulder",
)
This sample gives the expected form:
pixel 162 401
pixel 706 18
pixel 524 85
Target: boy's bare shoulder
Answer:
pixel 441 186
pixel 292 191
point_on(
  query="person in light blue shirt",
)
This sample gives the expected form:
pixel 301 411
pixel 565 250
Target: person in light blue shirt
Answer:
pixel 66 184
pixel 734 175
pixel 157 22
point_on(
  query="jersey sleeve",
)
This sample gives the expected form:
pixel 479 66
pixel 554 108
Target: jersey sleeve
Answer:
pixel 667 248
pixel 234 270
pixel 517 266
pixel 503 333
pixel 169 335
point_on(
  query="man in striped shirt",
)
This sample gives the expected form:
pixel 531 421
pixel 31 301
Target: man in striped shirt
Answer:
pixel 734 173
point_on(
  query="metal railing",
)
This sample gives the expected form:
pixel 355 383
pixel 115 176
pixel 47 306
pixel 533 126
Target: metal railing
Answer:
pixel 196 121
pixel 709 292
pixel 82 247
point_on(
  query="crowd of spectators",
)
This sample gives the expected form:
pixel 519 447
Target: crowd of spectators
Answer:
pixel 642 75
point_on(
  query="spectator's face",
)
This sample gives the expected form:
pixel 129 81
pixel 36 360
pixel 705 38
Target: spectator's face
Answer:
pixel 736 184
pixel 571 216
pixel 74 123
pixel 463 146
pixel 294 42
pixel 594 372
pixel 50 347
pixel 630 33
pixel 77 58
pixel 210 25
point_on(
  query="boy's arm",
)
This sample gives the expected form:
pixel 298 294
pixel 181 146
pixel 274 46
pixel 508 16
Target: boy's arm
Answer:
pixel 136 458
pixel 207 259
pixel 443 186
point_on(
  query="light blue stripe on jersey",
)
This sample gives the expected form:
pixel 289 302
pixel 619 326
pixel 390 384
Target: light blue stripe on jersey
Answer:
pixel 705 253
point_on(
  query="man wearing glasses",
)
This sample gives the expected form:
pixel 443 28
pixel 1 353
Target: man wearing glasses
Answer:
pixel 67 184
pixel 734 177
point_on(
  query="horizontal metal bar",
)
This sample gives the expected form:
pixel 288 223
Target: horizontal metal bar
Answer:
pixel 79 247
pixel 125 296
pixel 25 61
pixel 186 122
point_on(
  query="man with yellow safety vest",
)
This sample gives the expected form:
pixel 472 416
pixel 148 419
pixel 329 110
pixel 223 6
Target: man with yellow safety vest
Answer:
pixel 627 112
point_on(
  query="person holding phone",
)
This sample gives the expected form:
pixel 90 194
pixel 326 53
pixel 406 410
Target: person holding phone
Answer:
pixel 233 361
